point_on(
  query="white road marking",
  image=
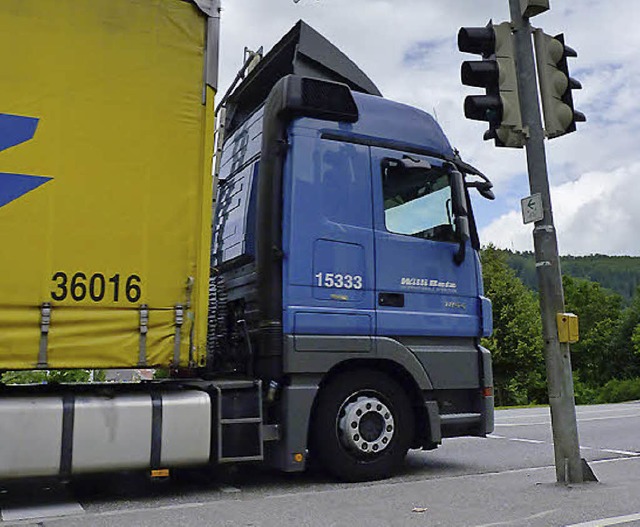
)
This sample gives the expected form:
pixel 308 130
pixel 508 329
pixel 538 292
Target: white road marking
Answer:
pixel 522 424
pixel 626 416
pixel 48 510
pixel 532 441
pixel 518 439
pixel 516 521
pixel 603 522
pixel 623 452
pixel 614 460
pixel 527 416
pixel 582 413
pixel 612 451
pixel 176 506
pixel 579 419
pixel 538 442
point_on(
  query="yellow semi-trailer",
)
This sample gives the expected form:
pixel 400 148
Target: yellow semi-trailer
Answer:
pixel 106 138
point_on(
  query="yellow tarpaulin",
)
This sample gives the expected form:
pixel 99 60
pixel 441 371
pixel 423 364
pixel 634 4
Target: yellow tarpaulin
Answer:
pixel 105 182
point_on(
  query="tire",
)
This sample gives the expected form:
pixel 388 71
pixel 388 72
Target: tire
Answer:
pixel 362 426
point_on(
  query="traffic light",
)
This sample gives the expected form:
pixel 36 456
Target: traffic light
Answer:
pixel 500 107
pixel 560 116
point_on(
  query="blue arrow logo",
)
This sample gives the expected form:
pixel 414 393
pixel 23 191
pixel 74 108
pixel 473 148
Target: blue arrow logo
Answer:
pixel 15 130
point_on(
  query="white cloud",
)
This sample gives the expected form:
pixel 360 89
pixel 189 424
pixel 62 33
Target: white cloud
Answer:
pixel 597 213
pixel 408 48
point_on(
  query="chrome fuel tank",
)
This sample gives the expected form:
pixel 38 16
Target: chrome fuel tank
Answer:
pixel 51 435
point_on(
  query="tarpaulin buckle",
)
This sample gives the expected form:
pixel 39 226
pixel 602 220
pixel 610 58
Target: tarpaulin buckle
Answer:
pixel 45 324
pixel 179 320
pixel 144 329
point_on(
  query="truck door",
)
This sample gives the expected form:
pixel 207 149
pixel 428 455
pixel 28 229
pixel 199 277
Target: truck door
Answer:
pixel 419 289
pixel 328 236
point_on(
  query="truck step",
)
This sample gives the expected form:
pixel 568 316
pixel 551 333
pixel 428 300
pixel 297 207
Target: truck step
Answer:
pixel 238 435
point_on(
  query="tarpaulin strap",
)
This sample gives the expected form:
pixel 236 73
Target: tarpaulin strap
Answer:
pixel 45 323
pixel 144 328
pixel 156 430
pixel 66 447
pixel 179 313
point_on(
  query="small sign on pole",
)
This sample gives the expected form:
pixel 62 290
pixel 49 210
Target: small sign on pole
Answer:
pixel 532 208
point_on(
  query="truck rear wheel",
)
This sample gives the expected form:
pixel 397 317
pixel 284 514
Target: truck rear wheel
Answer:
pixel 363 426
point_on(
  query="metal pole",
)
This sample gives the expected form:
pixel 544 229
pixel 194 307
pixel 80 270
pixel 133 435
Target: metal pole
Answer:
pixel 557 358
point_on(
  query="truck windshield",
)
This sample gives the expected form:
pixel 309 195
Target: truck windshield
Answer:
pixel 418 202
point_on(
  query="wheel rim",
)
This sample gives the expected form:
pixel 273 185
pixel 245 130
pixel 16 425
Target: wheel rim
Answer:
pixel 365 425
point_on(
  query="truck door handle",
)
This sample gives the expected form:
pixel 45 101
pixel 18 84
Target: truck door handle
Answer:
pixel 391 299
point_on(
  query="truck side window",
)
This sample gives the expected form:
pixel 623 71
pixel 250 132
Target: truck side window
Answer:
pixel 417 202
pixel 341 182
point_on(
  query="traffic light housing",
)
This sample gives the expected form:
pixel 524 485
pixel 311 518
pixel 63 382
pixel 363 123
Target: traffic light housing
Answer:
pixel 530 8
pixel 560 117
pixel 500 106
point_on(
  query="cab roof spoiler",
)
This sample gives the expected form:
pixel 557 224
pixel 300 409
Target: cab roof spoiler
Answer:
pixel 302 52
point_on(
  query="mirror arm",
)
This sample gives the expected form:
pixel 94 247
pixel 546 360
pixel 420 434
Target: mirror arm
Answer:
pixel 462 226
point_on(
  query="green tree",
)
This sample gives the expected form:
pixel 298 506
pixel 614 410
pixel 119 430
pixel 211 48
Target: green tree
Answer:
pixel 51 376
pixel 600 315
pixel 635 339
pixel 624 361
pixel 616 273
pixel 516 343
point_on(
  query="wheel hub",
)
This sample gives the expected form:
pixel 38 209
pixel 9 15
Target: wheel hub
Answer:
pixel 366 426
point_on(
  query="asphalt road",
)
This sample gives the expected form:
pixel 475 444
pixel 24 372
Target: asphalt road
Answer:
pixel 506 479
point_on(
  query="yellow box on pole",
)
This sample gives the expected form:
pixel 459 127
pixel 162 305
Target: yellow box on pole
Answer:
pixel 568 330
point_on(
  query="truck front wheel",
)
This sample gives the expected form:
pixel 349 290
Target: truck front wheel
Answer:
pixel 362 427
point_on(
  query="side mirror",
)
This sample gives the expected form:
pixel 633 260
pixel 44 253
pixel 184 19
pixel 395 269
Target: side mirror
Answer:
pixel 487 193
pixel 460 213
pixel 484 188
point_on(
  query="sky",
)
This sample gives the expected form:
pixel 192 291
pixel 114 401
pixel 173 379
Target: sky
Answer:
pixel 408 48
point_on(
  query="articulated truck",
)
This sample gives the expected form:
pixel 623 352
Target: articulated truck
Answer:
pixel 318 299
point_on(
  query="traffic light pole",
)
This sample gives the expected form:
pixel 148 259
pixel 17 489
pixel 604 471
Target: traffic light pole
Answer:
pixel 569 466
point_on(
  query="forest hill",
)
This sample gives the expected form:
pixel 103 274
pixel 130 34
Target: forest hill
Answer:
pixel 606 360
pixel 620 274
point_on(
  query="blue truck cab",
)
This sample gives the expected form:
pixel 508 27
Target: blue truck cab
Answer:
pixel 345 267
